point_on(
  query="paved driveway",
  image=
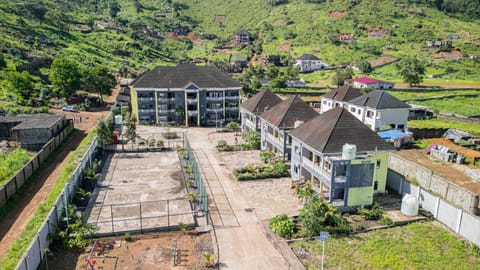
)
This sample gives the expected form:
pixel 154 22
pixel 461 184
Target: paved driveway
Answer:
pixel 242 240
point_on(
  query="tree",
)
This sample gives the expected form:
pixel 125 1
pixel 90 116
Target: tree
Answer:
pixel 412 70
pixel 98 80
pixel 114 9
pixel 316 215
pixel 65 76
pixel 272 71
pixel 365 66
pixel 341 75
pixel 104 132
pixel 3 63
pixel 22 84
pixel 278 82
pixel 131 125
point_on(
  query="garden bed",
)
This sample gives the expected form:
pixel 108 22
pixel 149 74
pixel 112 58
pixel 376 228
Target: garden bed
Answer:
pixel 253 172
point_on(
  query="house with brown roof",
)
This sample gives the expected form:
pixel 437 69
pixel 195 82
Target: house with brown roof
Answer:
pixel 276 123
pixel 379 109
pixel 344 161
pixel 338 97
pixel 254 106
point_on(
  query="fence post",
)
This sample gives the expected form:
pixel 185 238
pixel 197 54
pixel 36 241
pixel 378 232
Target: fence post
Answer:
pixel 168 214
pixel 459 221
pixel 111 216
pixel 437 206
pixel 401 187
pixel 39 247
pixel 141 223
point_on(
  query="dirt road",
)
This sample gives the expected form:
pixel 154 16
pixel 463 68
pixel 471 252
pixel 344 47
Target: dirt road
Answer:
pixel 14 222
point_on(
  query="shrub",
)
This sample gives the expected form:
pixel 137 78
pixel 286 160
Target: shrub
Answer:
pixel 386 220
pixel 252 139
pixel 267 156
pixel 371 214
pixel 317 215
pixel 282 225
pixel 160 143
pixel 170 135
pixel 127 236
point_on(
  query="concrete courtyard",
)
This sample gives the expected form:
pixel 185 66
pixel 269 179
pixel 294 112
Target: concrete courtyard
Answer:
pixel 140 191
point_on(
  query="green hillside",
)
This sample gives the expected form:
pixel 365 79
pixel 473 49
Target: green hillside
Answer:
pixel 131 36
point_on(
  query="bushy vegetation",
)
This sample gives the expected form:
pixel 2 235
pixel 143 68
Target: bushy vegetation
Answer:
pixel 375 212
pixel 11 162
pixel 413 246
pixel 283 226
pixel 252 140
pixel 276 170
pixel 318 216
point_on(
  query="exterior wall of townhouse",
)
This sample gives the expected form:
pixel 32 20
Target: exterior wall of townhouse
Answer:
pixel 273 139
pixel 376 119
pixel 328 104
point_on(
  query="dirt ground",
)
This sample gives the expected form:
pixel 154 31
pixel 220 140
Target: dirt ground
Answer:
pixel 453 172
pixel 145 252
pixel 14 222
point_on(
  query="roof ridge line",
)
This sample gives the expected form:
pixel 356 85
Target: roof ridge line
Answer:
pixel 334 126
pixel 289 107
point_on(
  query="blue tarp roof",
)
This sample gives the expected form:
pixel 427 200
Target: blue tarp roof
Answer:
pixel 392 134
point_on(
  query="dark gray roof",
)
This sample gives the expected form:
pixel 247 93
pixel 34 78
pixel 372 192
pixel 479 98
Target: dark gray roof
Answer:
pixel 261 102
pixel 308 57
pixel 329 131
pixel 343 93
pixel 180 76
pixel 285 113
pixel 379 99
pixel 31 121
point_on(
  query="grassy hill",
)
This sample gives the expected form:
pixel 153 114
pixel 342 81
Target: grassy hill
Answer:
pixel 137 35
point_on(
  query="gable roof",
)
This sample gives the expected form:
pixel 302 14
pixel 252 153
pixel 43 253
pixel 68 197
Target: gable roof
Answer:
pixel 329 131
pixel 379 99
pixel 343 93
pixel 285 113
pixel 366 80
pixel 308 57
pixel 184 74
pixel 261 102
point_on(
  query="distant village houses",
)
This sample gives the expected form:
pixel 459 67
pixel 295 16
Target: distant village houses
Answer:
pixel 309 63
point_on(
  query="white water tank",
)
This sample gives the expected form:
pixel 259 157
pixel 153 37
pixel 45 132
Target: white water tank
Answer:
pixel 349 151
pixel 409 205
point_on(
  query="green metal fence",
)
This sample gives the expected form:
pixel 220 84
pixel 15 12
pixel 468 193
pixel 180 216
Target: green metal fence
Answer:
pixel 199 181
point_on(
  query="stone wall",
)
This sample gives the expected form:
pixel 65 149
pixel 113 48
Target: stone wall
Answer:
pixel 428 180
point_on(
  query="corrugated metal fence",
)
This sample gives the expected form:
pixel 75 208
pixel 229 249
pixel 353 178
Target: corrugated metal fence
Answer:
pixel 17 181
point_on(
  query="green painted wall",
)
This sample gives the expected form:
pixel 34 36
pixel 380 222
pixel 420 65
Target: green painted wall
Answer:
pixel 133 96
pixel 360 196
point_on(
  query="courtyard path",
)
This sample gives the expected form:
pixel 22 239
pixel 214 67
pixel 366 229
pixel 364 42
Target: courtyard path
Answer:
pixel 242 240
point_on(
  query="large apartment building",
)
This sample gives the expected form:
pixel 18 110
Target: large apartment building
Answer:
pixel 186 94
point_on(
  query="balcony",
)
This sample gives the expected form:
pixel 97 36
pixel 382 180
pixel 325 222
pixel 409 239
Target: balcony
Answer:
pixel 146 99
pixel 165 100
pixel 232 97
pixel 192 101
pixel 147 110
pixel 215 110
pixel 165 111
pixel 192 113
pixel 217 99
pixel 231 108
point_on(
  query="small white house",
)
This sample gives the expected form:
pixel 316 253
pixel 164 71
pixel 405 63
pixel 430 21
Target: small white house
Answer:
pixel 379 109
pixel 365 82
pixel 338 97
pixel 309 62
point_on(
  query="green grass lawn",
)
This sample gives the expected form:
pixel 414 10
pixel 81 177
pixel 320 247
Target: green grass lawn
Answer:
pixel 414 246
pixel 430 94
pixel 457 105
pixel 440 123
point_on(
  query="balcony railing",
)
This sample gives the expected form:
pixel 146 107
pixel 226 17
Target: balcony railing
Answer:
pixel 166 111
pixel 215 110
pixel 232 97
pixel 165 100
pixel 146 99
pixel 192 101
pixel 192 113
pixel 147 110
pixel 214 98
pixel 231 108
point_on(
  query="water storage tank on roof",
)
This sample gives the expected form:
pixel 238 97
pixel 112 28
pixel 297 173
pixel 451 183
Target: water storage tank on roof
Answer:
pixel 409 205
pixel 349 151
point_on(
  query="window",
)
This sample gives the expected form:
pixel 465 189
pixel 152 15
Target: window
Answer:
pixel 352 110
pixel 337 104
pixel 297 150
pixel 375 185
pixel 378 163
pixel 359 112
pixel 370 114
pixel 325 102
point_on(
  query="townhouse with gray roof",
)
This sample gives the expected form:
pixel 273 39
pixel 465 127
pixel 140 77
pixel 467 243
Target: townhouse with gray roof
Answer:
pixel 256 105
pixel 379 109
pixel 343 160
pixel 338 97
pixel 276 123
